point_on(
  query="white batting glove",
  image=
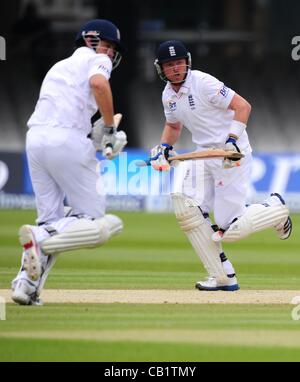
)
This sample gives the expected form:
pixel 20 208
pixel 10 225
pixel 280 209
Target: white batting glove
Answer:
pixel 159 157
pixel 98 133
pixel 231 145
pixel 113 142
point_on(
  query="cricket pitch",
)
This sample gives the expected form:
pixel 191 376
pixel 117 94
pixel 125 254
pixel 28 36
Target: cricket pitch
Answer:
pixel 155 296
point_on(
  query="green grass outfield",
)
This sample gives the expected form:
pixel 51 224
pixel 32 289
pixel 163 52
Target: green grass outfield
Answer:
pixel 152 253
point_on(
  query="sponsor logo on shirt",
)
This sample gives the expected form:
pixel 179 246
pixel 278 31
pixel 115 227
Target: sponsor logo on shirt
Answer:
pixel 105 69
pixel 224 91
pixel 172 105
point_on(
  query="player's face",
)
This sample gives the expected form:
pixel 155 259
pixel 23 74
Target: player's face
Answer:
pixel 175 70
pixel 101 46
pixel 107 48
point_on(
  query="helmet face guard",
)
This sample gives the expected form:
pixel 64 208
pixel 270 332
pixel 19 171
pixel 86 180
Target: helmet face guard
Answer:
pixel 170 51
pixel 94 31
pixel 92 38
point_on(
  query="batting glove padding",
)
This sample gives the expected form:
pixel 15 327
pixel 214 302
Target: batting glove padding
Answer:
pixel 231 145
pixel 105 137
pixel 117 141
pixel 159 157
pixel 98 133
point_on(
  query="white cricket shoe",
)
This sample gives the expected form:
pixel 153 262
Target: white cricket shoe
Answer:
pixel 24 292
pixel 32 258
pixel 284 230
pixel 211 285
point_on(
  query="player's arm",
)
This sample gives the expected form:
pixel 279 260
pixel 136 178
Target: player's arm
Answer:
pixel 242 110
pixel 104 134
pixel 171 133
pixel 103 95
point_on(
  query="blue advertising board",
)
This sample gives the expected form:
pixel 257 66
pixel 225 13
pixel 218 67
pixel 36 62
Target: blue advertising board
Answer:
pixel 129 187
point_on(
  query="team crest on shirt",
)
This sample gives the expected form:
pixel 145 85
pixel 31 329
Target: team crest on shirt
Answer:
pixel 172 105
pixel 192 102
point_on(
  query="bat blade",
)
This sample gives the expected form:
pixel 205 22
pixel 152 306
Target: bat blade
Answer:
pixel 206 154
pixel 117 119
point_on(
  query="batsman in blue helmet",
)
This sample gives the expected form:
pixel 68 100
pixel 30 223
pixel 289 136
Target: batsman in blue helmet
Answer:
pixel 97 31
pixel 169 51
pixel 216 117
pixel 61 146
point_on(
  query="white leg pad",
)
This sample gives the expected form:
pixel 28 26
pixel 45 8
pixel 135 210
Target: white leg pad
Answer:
pixel 256 218
pixel 199 233
pixel 83 233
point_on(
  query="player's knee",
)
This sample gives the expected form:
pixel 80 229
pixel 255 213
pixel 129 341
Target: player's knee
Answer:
pixel 221 221
pixel 187 212
pixel 84 233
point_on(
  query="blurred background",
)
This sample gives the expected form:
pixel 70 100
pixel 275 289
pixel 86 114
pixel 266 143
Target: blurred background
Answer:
pixel 248 44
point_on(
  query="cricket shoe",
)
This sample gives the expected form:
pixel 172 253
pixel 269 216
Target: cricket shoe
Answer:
pixel 32 259
pixel 211 285
pixel 24 292
pixel 284 230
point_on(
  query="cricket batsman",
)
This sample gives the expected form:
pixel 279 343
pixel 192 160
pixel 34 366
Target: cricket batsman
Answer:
pixel 61 148
pixel 217 118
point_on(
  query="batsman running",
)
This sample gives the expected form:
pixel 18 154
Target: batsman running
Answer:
pixel 61 147
pixel 217 118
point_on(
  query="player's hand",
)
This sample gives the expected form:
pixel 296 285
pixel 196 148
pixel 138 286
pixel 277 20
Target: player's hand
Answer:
pixel 113 142
pixel 231 145
pixel 159 157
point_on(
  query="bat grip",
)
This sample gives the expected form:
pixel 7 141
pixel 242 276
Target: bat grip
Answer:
pixel 143 163
pixel 108 150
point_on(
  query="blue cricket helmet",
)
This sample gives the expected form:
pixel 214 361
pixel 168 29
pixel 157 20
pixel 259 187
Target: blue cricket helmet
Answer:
pixel 97 30
pixel 171 50
pixel 168 51
pixel 106 30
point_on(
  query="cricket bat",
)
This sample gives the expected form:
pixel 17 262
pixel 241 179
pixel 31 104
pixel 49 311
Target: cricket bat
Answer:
pixel 206 154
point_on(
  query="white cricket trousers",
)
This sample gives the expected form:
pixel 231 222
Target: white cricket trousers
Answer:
pixel 223 192
pixel 63 164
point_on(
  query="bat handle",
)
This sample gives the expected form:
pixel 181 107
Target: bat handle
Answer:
pixel 108 151
pixel 143 163
pixel 148 162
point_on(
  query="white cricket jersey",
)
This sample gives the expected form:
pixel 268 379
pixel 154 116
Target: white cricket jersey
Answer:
pixel 66 99
pixel 201 105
